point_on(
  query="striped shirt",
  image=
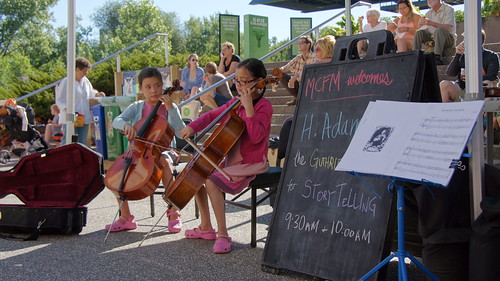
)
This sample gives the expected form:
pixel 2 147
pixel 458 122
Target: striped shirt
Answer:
pixel 296 65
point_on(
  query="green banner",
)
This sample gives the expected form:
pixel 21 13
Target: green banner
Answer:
pixel 229 30
pixel 297 27
pixel 256 36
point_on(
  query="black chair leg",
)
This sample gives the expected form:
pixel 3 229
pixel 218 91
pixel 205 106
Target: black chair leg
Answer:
pixel 152 203
pixel 253 220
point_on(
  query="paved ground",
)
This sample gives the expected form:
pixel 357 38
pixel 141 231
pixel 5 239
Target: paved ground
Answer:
pixel 162 256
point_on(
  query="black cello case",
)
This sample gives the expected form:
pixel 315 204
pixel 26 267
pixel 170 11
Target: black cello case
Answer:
pixel 54 186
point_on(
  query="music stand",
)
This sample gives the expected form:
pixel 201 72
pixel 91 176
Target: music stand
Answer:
pixel 401 253
pixel 421 147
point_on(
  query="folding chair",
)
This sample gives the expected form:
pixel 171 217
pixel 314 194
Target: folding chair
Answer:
pixel 268 182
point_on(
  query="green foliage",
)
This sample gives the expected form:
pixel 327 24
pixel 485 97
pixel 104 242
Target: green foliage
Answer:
pixel 202 35
pixel 15 16
pixel 30 47
pixel 459 15
pixel 283 55
pixel 490 8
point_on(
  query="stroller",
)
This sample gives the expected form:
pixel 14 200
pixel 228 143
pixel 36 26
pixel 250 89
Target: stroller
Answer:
pixel 19 120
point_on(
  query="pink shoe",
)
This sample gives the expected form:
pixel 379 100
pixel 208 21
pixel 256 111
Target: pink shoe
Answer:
pixel 197 233
pixel 174 226
pixel 119 226
pixel 222 244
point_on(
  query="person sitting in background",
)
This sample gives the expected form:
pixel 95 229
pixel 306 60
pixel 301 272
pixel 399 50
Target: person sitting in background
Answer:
pixel 191 76
pixel 221 94
pixel 374 23
pixel 53 130
pixel 228 63
pixel 451 90
pixel 405 26
pixel 295 66
pixel 324 49
pixel 438 25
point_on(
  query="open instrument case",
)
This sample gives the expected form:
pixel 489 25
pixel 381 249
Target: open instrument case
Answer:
pixel 54 186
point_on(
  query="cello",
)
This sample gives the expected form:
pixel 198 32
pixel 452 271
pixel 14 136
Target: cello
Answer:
pixel 137 172
pixel 213 151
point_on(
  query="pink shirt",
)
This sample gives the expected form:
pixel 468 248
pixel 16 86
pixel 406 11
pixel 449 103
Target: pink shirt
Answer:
pixel 162 111
pixel 254 140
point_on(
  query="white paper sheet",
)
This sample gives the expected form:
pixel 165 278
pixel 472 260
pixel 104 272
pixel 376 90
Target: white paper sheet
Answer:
pixel 416 141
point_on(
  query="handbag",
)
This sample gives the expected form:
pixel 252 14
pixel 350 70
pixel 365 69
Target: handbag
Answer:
pixel 79 120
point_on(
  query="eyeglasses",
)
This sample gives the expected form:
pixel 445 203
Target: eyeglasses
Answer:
pixel 194 60
pixel 241 83
pixel 302 42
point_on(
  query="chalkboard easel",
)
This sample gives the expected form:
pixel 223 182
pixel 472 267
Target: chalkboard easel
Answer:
pixel 326 223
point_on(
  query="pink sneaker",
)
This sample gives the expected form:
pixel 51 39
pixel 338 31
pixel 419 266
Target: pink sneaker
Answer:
pixel 222 244
pixel 197 233
pixel 119 226
pixel 174 226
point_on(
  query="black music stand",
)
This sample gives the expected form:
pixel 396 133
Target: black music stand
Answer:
pixel 418 148
pixel 401 253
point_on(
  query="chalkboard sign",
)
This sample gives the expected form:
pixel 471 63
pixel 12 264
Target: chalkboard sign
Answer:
pixel 330 224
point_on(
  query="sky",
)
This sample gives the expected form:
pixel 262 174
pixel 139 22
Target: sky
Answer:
pixel 279 18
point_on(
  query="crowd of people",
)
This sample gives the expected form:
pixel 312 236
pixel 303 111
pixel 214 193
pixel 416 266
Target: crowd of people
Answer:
pixel 434 32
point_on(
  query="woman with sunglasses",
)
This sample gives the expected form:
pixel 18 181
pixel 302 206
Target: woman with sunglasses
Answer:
pixel 247 158
pixel 191 76
pixel 405 26
pixel 323 49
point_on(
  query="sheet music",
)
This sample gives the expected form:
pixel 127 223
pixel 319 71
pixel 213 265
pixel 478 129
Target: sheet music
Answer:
pixel 416 141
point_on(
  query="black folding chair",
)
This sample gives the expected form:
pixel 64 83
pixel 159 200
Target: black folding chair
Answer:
pixel 267 182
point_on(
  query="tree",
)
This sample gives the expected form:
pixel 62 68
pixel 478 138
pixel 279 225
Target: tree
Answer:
pixel 202 35
pixel 16 15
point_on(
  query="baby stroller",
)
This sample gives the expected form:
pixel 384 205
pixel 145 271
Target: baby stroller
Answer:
pixel 19 120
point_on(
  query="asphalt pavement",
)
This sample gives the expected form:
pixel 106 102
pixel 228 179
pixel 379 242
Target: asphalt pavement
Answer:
pixel 162 256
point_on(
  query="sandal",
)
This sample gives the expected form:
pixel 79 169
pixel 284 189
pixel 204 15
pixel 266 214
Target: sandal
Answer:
pixel 222 244
pixel 119 226
pixel 197 233
pixel 174 226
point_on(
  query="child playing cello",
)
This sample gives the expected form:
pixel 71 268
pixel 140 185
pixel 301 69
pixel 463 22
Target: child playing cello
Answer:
pixel 246 159
pixel 150 84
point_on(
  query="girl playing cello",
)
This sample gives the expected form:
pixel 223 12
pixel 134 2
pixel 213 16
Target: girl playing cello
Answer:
pixel 150 83
pixel 246 159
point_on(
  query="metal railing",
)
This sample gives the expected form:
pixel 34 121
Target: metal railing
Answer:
pixel 94 64
pixel 279 49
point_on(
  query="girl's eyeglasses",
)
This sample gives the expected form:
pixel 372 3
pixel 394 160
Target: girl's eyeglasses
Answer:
pixel 241 83
pixel 194 60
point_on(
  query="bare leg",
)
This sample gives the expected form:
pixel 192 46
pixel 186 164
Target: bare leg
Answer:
pixel 166 176
pixel 218 204
pixel 401 45
pixel 408 44
pixel 48 136
pixel 202 201
pixel 124 210
pixel 209 100
pixel 449 91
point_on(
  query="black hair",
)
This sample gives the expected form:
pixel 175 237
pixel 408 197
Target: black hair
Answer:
pixel 149 72
pixel 256 68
